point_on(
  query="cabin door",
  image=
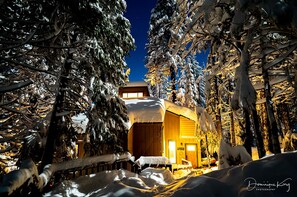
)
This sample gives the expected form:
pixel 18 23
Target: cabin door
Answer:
pixel 191 154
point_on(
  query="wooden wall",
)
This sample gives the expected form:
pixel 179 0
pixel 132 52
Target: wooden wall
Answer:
pixel 130 140
pixel 175 127
pixel 187 127
pixel 147 139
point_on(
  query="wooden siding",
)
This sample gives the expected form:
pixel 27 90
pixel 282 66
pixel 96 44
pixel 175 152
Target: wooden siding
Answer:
pixel 147 139
pixel 171 125
pixel 172 128
pixel 187 127
pixel 130 140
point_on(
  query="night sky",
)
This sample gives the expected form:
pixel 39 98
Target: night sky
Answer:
pixel 138 12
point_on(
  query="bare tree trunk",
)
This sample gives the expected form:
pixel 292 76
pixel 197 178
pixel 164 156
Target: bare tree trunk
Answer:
pixel 259 139
pixel 295 83
pixel 173 82
pixel 286 116
pixel 207 151
pixel 218 110
pixel 272 127
pixel 55 122
pixel 267 134
pixel 232 129
pixel 248 133
pixel 279 119
pixel 272 122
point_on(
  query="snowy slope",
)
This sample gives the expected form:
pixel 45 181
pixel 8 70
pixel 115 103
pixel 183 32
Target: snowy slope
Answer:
pixel 271 176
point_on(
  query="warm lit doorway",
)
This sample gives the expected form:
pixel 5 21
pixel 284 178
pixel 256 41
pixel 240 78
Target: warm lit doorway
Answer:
pixel 191 154
pixel 172 151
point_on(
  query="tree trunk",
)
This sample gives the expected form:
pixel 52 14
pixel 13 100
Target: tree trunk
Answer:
pixel 267 134
pixel 269 110
pixel 259 139
pixel 55 122
pixel 207 151
pixel 232 129
pixel 248 133
pixel 295 84
pixel 218 109
pixel 280 121
pixel 173 82
pixel 286 117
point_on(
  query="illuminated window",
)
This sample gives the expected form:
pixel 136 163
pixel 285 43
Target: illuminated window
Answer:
pixel 133 95
pixel 191 147
pixel 172 152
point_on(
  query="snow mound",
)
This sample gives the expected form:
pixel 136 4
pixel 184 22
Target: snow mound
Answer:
pixel 230 156
pixel 143 160
pixel 162 177
pixel 115 183
pixel 80 122
pixel 272 176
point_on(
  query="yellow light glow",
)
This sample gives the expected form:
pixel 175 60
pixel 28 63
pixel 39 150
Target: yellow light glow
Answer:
pixel 171 145
pixel 172 153
pixel 191 147
pixel 133 95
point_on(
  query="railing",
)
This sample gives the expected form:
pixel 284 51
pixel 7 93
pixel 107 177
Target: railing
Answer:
pixel 27 182
pixel 185 165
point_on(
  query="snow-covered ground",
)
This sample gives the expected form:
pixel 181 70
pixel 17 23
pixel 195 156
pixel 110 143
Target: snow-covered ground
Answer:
pixel 272 176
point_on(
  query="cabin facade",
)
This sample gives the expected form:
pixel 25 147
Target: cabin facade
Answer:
pixel 159 127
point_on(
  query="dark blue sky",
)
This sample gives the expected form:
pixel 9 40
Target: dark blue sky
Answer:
pixel 138 12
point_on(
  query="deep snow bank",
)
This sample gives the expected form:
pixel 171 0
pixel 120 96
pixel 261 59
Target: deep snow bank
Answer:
pixel 271 176
pixel 116 183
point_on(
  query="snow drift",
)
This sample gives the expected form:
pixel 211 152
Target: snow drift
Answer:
pixel 271 176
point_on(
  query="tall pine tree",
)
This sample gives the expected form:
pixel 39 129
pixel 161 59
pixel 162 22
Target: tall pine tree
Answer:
pixel 161 64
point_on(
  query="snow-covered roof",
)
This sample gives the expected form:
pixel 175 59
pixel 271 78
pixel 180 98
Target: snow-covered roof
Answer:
pixel 148 110
pixel 136 84
pixel 179 110
pixel 144 110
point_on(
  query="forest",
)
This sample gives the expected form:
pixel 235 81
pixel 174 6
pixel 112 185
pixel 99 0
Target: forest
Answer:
pixel 249 82
pixel 63 58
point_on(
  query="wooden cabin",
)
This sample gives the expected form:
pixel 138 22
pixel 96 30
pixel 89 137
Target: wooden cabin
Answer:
pixel 134 90
pixel 161 128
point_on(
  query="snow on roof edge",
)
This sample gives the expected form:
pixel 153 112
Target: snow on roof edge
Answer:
pixel 180 110
pixel 136 84
pixel 152 110
pixel 145 110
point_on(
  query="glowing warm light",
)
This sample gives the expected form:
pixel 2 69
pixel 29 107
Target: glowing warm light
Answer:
pixel 172 152
pixel 191 148
pixel 133 95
